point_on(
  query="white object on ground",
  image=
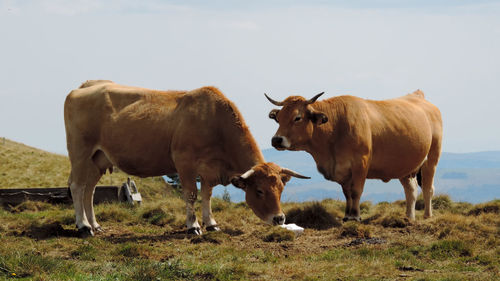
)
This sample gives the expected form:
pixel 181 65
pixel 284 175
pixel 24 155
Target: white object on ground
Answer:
pixel 293 227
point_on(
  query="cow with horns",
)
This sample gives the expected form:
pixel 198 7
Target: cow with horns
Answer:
pixel 352 139
pixel 152 133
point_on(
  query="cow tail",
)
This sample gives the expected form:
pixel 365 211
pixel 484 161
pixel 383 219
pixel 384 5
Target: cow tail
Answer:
pixel 419 177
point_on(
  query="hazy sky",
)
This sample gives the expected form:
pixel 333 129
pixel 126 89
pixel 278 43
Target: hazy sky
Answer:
pixel 372 49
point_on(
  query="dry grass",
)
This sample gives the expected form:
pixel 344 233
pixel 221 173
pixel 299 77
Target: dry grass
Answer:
pixel 312 215
pixel 149 242
pixel 23 166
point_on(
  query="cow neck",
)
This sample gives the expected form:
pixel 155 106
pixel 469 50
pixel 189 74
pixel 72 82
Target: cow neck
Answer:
pixel 325 135
pixel 244 152
pixel 250 154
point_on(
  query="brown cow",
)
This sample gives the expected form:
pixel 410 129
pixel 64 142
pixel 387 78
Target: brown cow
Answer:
pixel 352 139
pixel 151 133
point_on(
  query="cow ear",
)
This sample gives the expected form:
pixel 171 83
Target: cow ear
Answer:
pixel 285 178
pixel 273 114
pixel 318 118
pixel 239 182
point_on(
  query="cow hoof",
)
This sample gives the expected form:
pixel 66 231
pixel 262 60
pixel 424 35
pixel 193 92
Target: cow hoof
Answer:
pixel 85 232
pixel 98 229
pixel 213 228
pixel 194 230
pixel 358 219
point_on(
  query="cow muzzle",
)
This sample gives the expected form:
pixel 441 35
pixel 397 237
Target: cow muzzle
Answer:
pixel 280 142
pixel 279 219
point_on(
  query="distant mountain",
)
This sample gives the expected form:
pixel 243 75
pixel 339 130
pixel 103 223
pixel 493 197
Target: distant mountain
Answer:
pixel 471 177
pixel 475 160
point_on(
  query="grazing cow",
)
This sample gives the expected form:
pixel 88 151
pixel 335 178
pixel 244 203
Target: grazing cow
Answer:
pixel 352 139
pixel 151 133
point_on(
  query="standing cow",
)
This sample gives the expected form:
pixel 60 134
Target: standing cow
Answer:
pixel 151 133
pixel 352 139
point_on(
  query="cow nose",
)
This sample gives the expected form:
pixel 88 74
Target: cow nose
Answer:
pixel 279 219
pixel 277 141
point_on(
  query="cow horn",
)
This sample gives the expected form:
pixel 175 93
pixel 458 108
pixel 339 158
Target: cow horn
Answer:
pixel 315 98
pixel 292 173
pixel 278 103
pixel 247 174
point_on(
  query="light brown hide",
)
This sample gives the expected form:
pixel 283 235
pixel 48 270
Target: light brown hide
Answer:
pixel 152 133
pixel 352 139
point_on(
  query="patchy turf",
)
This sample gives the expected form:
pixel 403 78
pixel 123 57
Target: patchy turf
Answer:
pixel 448 246
pixel 149 242
pixel 278 234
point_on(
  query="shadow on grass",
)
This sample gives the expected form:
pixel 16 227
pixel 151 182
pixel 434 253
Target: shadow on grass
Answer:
pixel 313 216
pixel 214 237
pixel 46 231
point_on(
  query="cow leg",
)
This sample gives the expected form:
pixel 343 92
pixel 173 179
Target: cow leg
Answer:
pixel 347 188
pixel 352 194
pixel 206 197
pixel 88 201
pixel 410 186
pixel 83 225
pixel 354 188
pixel 356 191
pixel 428 171
pixel 190 193
pixel 101 163
pixel 83 177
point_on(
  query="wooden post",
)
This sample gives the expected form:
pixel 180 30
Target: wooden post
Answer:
pixel 3 140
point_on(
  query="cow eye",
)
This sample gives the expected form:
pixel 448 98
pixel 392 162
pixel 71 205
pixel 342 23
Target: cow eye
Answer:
pixel 260 193
pixel 297 119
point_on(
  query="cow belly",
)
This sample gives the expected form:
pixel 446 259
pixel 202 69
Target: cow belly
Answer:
pixel 395 168
pixel 398 154
pixel 143 160
pixel 140 168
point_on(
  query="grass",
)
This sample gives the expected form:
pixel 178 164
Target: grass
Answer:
pixel 313 215
pixel 149 242
pixel 278 234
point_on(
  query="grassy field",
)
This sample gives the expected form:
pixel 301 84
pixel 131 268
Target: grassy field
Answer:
pixel 148 242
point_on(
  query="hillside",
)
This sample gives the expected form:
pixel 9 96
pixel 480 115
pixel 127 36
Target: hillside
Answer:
pixel 22 166
pixel 148 242
pixel 469 177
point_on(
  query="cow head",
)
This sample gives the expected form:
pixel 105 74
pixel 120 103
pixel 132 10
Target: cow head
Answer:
pixel 297 119
pixel 263 185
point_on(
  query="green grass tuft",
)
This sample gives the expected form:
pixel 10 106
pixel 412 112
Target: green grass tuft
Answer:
pixel 85 252
pixel 113 212
pixel 158 216
pixel 355 229
pixel 145 270
pixel 395 220
pixel 133 250
pixel 492 207
pixel 31 206
pixel 216 237
pixel 449 248
pixel 278 234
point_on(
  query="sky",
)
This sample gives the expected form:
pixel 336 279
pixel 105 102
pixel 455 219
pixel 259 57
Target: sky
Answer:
pixel 372 49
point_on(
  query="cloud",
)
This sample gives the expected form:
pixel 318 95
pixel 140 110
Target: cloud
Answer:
pixel 88 7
